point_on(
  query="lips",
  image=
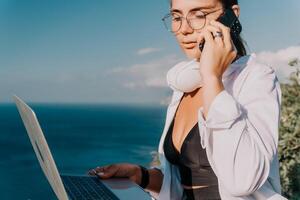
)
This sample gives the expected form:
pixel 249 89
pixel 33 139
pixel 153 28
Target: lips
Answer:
pixel 189 44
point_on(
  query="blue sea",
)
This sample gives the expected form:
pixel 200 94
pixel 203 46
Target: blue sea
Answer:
pixel 80 137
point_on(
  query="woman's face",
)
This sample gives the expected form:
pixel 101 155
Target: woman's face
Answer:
pixel 186 36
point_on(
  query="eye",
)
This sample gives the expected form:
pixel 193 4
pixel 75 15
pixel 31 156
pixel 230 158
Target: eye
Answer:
pixel 197 14
pixel 176 19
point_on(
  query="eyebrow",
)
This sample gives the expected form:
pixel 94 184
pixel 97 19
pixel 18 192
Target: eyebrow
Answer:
pixel 193 9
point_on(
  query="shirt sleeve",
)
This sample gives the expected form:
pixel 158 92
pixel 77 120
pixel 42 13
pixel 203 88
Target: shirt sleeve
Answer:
pixel 241 136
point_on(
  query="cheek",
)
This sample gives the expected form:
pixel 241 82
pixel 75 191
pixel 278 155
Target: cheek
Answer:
pixel 198 36
pixel 178 39
pixel 179 42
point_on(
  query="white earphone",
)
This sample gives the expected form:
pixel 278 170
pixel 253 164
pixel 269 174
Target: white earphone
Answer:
pixel 185 76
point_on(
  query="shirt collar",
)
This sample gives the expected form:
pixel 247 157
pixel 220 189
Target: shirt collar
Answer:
pixel 241 62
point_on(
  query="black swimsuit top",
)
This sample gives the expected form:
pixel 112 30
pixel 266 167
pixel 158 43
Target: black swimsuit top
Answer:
pixel 192 160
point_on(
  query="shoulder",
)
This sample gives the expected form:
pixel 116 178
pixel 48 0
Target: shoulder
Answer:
pixel 250 65
pixel 258 69
pixel 254 72
pixel 257 80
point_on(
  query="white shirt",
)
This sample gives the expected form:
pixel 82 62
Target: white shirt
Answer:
pixel 240 135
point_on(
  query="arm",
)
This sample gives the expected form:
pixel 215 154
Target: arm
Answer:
pixel 155 180
pixel 211 88
pixel 241 137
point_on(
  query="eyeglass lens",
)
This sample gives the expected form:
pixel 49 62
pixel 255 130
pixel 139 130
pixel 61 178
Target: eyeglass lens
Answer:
pixel 195 19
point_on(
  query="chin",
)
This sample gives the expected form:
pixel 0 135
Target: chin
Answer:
pixel 192 53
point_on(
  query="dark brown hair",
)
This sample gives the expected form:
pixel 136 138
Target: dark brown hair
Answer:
pixel 238 42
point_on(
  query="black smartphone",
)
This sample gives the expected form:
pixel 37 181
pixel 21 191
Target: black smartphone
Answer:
pixel 230 20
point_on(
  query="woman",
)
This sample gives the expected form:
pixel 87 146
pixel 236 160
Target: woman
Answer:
pixel 221 132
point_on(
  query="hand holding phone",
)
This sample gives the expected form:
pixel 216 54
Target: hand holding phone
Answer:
pixel 230 20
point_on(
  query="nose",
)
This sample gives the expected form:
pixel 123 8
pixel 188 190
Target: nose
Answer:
pixel 185 27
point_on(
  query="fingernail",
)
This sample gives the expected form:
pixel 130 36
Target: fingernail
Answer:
pixel 100 173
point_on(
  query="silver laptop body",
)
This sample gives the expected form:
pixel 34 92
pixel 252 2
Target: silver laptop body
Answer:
pixel 74 187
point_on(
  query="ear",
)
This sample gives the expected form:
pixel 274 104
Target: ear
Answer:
pixel 236 10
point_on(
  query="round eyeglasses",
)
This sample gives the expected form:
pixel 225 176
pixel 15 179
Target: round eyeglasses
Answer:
pixel 195 19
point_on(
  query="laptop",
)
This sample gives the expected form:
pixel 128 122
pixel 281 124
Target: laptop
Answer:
pixel 74 187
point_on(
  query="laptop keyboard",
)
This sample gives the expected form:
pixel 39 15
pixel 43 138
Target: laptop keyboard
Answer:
pixel 87 188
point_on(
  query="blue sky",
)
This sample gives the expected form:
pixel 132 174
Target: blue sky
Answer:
pixel 96 51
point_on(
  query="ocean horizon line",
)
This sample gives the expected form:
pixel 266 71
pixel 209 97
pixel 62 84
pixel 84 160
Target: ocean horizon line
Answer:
pixel 86 104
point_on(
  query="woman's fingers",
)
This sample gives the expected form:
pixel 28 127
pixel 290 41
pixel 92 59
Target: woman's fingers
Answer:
pixel 104 171
pixel 216 30
pixel 226 33
pixel 92 172
pixel 107 172
pixel 207 35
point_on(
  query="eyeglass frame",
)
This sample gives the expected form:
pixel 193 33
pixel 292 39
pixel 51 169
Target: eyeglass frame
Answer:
pixel 188 21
